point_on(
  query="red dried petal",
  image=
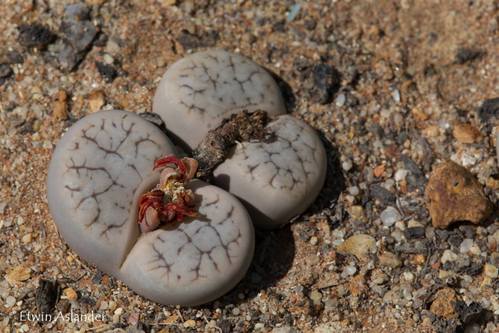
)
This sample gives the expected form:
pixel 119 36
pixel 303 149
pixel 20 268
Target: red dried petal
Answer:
pixel 150 199
pixel 159 163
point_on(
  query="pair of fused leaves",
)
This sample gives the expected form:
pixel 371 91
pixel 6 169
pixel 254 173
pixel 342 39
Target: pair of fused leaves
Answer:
pixel 104 163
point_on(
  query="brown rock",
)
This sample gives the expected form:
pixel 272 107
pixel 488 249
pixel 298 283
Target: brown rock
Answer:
pixel 466 133
pixel 379 170
pixel 454 194
pixel 360 245
pixel 431 131
pixel 60 106
pixel 96 100
pixel 443 305
pixel 389 259
pixel 70 294
pixel 18 274
pixel 419 114
pixel 357 285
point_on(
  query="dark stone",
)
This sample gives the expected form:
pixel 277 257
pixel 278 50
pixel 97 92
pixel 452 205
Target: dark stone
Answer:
pixel 108 72
pixel 472 313
pixel 46 297
pixel 380 193
pixel 191 41
pixel 97 278
pixel 86 299
pixel 465 54
pixel 489 110
pixel 326 82
pixel 101 40
pixel 377 130
pixel 77 11
pixel 78 34
pixel 416 247
pixel 225 325
pixel 455 239
pixel 442 234
pixel 67 56
pixel 474 269
pixel 14 57
pixel 445 326
pixel 467 230
pixel 5 73
pixel 279 26
pixel 35 35
pixel 412 166
pixel 310 24
pixel 414 232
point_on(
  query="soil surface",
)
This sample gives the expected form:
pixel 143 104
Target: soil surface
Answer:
pixel 390 85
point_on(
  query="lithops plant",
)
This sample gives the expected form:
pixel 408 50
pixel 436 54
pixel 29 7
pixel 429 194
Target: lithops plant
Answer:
pixel 98 173
pixel 200 90
pixel 277 177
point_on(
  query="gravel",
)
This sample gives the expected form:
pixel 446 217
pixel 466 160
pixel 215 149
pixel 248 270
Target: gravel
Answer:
pixel 385 86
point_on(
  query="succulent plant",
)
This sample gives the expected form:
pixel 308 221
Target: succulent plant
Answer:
pixel 202 89
pixel 97 174
pixel 124 202
pixel 276 180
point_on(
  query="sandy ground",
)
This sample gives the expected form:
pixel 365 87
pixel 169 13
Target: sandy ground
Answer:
pixel 408 71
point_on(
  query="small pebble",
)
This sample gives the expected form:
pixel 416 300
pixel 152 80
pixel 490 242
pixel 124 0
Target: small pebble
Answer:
pixel 353 190
pixel 35 35
pixel 348 271
pixel 108 72
pixel 389 216
pixel 466 245
pixel 396 95
pixel 466 133
pixel 314 240
pixel 316 297
pixel 18 274
pixel 108 59
pixel 340 100
pixel 71 295
pixel 378 277
pixel 96 100
pixel 10 301
pixel 414 232
pixel 26 238
pixel 259 326
pixel 59 106
pixel 401 174
pixel 490 271
pixel 324 81
pixel 190 323
pixel 103 305
pixel 448 256
pixel 347 165
pixel 489 110
pixel 359 245
pixel 389 259
pixel 408 276
pixel 5 73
